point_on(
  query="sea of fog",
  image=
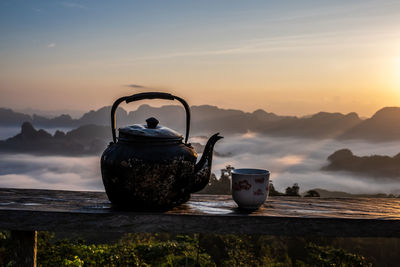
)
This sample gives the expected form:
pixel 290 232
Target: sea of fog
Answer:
pixel 290 160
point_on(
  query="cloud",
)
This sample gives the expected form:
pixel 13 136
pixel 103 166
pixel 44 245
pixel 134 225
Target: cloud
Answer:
pixel 73 5
pixel 295 160
pixel 283 43
pixel 51 45
pixel 50 172
pixel 137 86
pixel 290 160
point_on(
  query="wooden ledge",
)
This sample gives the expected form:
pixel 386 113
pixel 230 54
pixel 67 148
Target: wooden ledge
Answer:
pixel 53 210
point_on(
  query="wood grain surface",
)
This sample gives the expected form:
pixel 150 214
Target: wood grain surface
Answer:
pixel 53 210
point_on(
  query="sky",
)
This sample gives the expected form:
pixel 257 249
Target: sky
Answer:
pixel 287 57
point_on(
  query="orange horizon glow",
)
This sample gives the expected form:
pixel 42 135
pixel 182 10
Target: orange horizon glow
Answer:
pixel 290 59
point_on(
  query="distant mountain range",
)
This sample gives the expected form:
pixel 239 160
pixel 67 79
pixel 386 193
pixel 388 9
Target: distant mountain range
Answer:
pixel 384 125
pixel 373 166
pixel 339 194
pixel 85 140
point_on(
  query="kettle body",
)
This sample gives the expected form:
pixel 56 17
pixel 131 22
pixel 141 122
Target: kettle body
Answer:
pixel 136 178
pixel 149 167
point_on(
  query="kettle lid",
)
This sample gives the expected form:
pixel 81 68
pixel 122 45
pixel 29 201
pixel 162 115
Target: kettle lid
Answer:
pixel 150 131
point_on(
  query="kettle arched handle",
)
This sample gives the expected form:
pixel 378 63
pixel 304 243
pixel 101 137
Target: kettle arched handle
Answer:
pixel 148 95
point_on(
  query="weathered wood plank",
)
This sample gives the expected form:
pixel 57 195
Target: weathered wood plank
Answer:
pixel 288 226
pixel 24 248
pixel 91 211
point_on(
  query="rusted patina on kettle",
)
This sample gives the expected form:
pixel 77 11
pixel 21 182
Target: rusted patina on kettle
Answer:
pixel 149 166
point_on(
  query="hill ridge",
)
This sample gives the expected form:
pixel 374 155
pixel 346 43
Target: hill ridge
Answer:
pixel 206 119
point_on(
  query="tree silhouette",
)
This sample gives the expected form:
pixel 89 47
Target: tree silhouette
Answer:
pixel 272 190
pixel 293 190
pixel 227 172
pixel 221 186
pixel 312 193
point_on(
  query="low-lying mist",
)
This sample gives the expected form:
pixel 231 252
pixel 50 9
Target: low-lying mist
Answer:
pixel 290 160
pixel 293 160
pixel 50 172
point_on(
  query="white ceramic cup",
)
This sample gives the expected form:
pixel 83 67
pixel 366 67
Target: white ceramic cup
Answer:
pixel 250 187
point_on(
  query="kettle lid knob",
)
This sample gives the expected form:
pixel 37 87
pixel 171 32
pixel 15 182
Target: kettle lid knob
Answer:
pixel 152 123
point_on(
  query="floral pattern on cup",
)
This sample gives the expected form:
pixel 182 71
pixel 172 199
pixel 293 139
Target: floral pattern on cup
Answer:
pixel 241 185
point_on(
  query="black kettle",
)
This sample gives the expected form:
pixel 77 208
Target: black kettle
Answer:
pixel 149 167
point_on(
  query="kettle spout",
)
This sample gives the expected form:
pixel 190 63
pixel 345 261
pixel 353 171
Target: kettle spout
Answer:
pixel 202 170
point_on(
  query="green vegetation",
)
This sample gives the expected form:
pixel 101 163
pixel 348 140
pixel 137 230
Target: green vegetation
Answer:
pixel 132 250
pixel 185 250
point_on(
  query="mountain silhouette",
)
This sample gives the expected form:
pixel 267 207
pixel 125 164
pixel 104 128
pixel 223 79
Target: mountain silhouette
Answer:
pixel 85 140
pixel 206 120
pixel 320 125
pixel 384 125
pixel 373 166
pixel 8 117
pixel 340 194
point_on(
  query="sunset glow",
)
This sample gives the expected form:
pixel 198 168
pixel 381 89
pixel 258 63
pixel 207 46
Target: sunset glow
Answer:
pixel 288 58
pixel 396 71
